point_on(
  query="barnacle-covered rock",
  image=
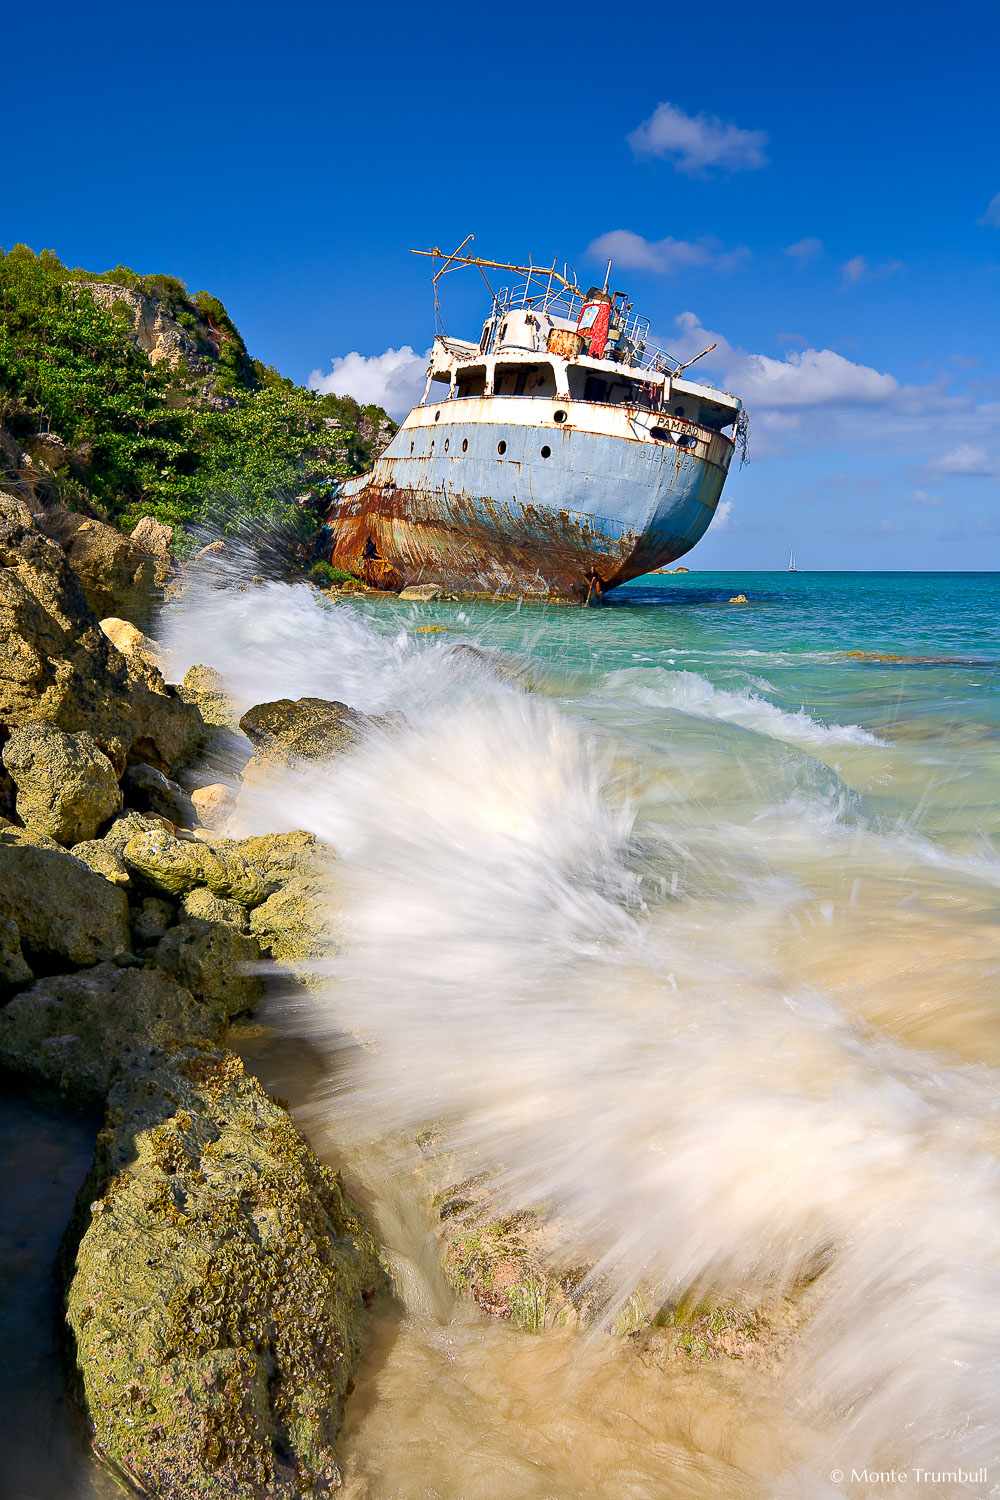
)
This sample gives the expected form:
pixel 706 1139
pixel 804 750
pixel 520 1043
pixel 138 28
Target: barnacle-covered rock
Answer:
pixel 219 1291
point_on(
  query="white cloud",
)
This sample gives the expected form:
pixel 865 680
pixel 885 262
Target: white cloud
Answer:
pixel 992 214
pixel 921 497
pixel 394 379
pixel 723 516
pixel 695 142
pixel 969 459
pixel 857 269
pixel 806 249
pixel 801 378
pixel 812 399
pixel 668 256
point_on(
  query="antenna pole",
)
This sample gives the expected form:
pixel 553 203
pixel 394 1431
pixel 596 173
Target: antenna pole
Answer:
pixel 607 276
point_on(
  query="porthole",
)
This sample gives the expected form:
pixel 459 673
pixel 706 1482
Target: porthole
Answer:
pixel 437 416
pixel 559 416
pixel 465 445
pixel 546 452
pixel 446 441
pixel 678 411
pixel 501 447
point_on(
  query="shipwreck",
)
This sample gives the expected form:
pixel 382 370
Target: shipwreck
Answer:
pixel 556 457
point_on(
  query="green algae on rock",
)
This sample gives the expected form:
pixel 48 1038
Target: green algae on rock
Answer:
pixel 219 1290
pixel 178 865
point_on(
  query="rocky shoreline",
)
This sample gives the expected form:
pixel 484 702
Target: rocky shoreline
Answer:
pixel 217 1274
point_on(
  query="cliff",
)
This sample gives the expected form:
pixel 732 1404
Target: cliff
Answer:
pixel 124 395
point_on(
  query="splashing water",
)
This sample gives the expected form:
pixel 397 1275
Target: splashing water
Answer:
pixel 634 945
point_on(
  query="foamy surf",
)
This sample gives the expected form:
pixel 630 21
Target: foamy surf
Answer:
pixel 690 693
pixel 693 1115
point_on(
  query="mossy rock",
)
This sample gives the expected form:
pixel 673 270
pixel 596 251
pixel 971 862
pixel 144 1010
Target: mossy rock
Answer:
pixel 66 786
pixel 219 1291
pixel 176 865
pixel 64 911
pixel 213 960
pixel 76 1032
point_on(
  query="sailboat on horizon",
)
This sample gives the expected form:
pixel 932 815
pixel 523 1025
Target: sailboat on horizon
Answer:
pixel 791 563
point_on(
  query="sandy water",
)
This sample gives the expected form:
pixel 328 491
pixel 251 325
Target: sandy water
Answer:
pixel 682 920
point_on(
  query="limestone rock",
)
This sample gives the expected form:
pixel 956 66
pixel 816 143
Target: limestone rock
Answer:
pixel 130 641
pixel 277 854
pixel 203 905
pixel 155 538
pixel 167 732
pixel 103 860
pixel 63 910
pixel 14 971
pixel 152 920
pixel 219 1291
pixel 309 729
pixel 66 786
pixel 117 576
pixel 422 593
pixel 295 921
pixel 56 664
pixel 178 865
pixel 129 825
pixel 207 691
pixel 291 924
pixel 148 790
pixel 77 1031
pixel 213 804
pixel 210 959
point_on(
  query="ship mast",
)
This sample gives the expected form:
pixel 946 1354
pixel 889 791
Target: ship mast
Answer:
pixel 454 261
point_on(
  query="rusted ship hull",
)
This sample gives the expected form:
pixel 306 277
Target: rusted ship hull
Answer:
pixel 519 500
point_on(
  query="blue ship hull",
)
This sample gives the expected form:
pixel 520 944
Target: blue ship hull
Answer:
pixel 502 497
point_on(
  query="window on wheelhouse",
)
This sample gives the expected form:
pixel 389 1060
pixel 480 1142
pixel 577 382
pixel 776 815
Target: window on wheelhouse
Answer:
pixel 471 382
pixel 525 380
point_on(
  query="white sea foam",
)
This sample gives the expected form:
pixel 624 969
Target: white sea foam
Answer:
pixel 692 1121
pixel 690 693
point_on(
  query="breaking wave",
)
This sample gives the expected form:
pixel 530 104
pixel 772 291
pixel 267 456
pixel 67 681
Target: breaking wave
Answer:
pixel 690 693
pixel 639 1062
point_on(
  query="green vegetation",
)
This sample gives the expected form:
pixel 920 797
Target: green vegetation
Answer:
pixel 179 439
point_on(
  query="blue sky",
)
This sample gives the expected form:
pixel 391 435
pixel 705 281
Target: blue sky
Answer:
pixel 812 188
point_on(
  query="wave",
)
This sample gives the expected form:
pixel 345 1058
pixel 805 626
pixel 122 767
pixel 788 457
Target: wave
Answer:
pixel 690 693
pixel 689 1121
